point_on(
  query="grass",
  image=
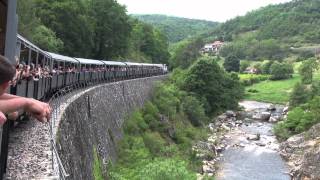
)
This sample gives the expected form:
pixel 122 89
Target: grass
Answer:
pixel 272 91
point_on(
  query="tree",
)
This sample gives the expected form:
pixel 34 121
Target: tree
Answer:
pixel 265 67
pixel 281 71
pixel 187 53
pixel 244 65
pixel 299 95
pixel 307 69
pixel 231 63
pixel 216 89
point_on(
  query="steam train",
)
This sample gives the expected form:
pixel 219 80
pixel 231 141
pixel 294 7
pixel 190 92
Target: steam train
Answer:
pixel 67 71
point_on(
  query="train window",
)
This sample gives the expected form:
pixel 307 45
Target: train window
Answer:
pixel 24 54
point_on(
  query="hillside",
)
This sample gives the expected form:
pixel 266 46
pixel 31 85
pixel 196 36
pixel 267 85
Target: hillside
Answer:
pixel 177 28
pixel 273 29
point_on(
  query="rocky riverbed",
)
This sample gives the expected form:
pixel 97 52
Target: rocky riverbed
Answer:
pixel 242 146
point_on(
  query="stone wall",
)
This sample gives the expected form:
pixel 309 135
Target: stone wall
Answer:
pixel 94 119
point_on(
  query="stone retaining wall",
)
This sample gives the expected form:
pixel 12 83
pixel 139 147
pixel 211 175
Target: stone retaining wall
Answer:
pixel 93 121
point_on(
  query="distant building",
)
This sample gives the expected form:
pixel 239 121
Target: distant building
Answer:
pixel 212 47
pixel 251 70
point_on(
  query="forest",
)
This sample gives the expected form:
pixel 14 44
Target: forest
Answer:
pixel 96 29
pixel 177 28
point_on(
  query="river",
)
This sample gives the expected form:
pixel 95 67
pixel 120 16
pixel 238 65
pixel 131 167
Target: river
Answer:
pixel 247 158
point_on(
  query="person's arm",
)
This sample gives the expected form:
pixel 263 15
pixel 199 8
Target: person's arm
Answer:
pixel 6 96
pixel 41 111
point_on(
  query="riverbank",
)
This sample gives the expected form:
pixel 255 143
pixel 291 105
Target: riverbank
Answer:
pixel 244 146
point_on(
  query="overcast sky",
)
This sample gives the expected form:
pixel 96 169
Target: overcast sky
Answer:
pixel 214 10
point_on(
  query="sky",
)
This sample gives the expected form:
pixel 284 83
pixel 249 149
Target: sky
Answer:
pixel 212 10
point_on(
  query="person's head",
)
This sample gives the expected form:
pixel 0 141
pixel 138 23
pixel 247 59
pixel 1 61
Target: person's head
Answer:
pixel 7 73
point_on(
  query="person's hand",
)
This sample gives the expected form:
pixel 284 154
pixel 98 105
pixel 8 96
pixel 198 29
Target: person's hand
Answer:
pixel 3 118
pixel 13 116
pixel 41 111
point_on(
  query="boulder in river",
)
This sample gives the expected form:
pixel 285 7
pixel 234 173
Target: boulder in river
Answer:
pixel 271 107
pixel 230 114
pixel 262 116
pixel 253 137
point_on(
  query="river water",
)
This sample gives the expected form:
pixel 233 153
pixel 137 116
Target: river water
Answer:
pixel 246 159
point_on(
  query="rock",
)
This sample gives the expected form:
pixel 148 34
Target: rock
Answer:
pixel 222 117
pixel 208 169
pixel 263 116
pixel 223 126
pixel 285 110
pixel 253 137
pixel 302 152
pixel 239 122
pixel 230 114
pixel 260 144
pixel 274 119
pixel 271 107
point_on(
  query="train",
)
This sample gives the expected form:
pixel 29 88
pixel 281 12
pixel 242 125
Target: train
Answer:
pixel 67 71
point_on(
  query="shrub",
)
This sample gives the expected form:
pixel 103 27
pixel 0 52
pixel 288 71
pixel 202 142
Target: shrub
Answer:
pixel 231 63
pixel 168 169
pixel 194 110
pixel 154 142
pixel 135 124
pixel 244 65
pixel 299 119
pixel 265 66
pixel 299 95
pixel 281 71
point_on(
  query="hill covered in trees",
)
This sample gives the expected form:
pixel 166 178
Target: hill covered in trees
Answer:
pixel 177 28
pixel 96 29
pixel 272 32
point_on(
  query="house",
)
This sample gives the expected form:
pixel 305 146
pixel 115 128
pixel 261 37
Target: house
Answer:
pixel 251 70
pixel 212 47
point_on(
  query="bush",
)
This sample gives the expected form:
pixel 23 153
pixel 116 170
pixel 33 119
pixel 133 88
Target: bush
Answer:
pixel 265 66
pixel 299 95
pixel 154 142
pixel 244 65
pixel 249 79
pixel 168 169
pixel 231 63
pixel 194 110
pixel 280 71
pixel 135 124
pixel 299 119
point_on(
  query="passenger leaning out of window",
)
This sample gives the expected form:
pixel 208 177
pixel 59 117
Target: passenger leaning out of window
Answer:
pixel 11 103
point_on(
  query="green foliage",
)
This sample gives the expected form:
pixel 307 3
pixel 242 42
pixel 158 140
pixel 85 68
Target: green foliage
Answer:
pixel 175 28
pixel 272 91
pixel 300 95
pixel 135 124
pixel 169 169
pixel 281 71
pixel 97 169
pixel 154 142
pixel 231 63
pixel 307 69
pixel 216 89
pixel 96 29
pixel 244 65
pixel 194 110
pixel 46 39
pixel 250 79
pixel 266 66
pixel 299 119
pixel 149 42
pixel 186 53
pixel 158 169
